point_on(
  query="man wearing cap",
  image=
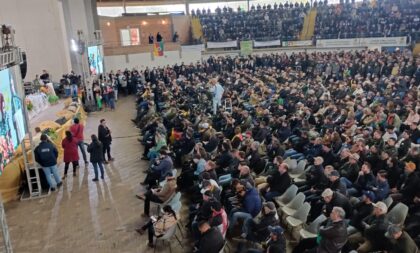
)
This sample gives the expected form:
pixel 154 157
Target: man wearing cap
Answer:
pixel 408 186
pixel 275 244
pixel 335 182
pixel 350 170
pixel 362 209
pixel 372 238
pixel 257 231
pixel 160 169
pixel 400 240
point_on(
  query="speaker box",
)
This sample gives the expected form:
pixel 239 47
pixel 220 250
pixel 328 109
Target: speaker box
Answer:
pixel 23 66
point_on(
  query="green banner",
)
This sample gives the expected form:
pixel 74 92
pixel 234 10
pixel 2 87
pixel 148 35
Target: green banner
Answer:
pixel 246 47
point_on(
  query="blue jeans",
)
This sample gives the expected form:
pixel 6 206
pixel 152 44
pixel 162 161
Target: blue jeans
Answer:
pixel 81 145
pixel 238 215
pixel 52 170
pixel 95 169
pixel 271 194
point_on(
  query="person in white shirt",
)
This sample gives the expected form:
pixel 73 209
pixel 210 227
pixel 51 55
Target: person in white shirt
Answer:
pixel 217 91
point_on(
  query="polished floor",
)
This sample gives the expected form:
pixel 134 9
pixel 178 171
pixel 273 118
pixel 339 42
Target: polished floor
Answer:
pixel 83 216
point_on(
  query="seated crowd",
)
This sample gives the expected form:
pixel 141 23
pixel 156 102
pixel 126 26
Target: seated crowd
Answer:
pixel 334 21
pixel 325 153
pixel 262 23
pixel 378 19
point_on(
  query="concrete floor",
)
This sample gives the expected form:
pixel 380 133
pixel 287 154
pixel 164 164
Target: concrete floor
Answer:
pixel 84 216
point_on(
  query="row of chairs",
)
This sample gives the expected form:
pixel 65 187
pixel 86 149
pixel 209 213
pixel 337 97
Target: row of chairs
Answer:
pixel 294 211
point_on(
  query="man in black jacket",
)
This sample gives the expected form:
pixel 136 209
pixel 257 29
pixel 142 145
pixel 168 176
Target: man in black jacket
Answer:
pixel 333 199
pixel 334 234
pixel 409 185
pixel 104 136
pixel 211 240
pixel 257 231
pixel 46 155
pixel 372 238
pixel 278 183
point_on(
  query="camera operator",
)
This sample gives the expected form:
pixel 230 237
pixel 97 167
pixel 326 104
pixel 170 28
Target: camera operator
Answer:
pixel 75 81
pixel 65 83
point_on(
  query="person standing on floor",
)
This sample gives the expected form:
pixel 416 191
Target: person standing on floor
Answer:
pixel 71 153
pixel 104 136
pixel 95 148
pixel 46 155
pixel 77 131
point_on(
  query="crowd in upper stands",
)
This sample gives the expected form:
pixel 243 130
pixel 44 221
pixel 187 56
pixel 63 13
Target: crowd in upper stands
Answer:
pixel 261 23
pixel 344 20
pixel 321 147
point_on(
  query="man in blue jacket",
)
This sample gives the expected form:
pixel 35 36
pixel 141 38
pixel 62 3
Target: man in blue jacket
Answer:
pixel 250 205
pixel 46 155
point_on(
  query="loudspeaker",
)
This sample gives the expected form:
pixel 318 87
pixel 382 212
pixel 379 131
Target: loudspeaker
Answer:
pixel 23 66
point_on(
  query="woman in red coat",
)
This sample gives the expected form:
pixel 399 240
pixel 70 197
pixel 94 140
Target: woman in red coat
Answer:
pixel 71 153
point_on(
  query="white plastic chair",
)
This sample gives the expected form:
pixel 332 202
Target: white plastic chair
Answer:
pixel 167 237
pixel 287 196
pixel 300 216
pixel 293 206
pixel 299 171
pixel 388 201
pixel 291 163
pixel 398 214
pixel 312 230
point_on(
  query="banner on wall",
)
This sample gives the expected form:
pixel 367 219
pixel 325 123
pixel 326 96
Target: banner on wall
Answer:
pixel 301 43
pixel 226 44
pixel 267 43
pixel 158 49
pixel 246 47
pixel 364 42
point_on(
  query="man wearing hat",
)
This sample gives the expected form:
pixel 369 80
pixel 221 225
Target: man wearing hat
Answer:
pixel 350 169
pixel 400 240
pixel 362 209
pixel 275 244
pixel 409 185
pixel 335 182
pixel 372 238
pixel 257 231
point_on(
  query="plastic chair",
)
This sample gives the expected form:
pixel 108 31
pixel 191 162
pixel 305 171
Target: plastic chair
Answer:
pixel 160 205
pixel 167 237
pixel 300 216
pixel 312 230
pixel 287 196
pixel 299 171
pixel 291 163
pixel 388 201
pixel 398 214
pixel 294 205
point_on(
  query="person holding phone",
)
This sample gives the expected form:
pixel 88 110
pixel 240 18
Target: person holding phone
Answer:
pixel 158 226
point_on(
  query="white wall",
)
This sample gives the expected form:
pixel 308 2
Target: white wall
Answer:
pixel 39 32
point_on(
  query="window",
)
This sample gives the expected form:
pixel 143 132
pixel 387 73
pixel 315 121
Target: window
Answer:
pixel 130 37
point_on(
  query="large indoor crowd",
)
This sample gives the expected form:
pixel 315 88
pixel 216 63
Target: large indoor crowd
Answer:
pixel 314 151
pixel 333 21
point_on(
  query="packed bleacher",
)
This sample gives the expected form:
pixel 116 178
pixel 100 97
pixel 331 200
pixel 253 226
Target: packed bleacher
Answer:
pixel 260 23
pixel 317 152
pixel 333 21
pixel 376 19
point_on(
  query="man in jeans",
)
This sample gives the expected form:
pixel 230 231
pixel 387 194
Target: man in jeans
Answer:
pixel 46 155
pixel 77 131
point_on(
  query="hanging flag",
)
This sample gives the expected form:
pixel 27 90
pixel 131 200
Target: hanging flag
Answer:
pixel 158 49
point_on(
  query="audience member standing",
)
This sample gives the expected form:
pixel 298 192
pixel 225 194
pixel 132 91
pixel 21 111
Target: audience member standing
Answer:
pixel 151 39
pixel 46 155
pixel 71 154
pixel 158 37
pixel 77 131
pixel 95 149
pixel 104 136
